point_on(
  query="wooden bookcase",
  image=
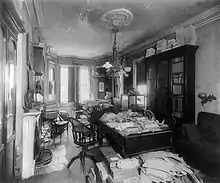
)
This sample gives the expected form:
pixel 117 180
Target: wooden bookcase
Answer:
pixel 170 78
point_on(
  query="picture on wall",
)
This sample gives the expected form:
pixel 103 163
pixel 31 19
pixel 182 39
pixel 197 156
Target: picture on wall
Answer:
pixel 101 87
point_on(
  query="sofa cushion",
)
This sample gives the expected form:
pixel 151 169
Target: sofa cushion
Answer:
pixel 210 151
pixel 192 132
pixel 209 126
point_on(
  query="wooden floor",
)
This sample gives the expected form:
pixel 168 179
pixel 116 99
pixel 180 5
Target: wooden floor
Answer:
pixel 74 173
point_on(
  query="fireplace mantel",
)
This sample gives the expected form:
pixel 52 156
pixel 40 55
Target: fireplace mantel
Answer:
pixel 28 163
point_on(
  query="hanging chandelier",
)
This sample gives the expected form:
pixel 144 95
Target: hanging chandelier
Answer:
pixel 115 20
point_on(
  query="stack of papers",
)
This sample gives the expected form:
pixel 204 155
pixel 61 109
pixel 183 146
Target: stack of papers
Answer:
pixel 165 166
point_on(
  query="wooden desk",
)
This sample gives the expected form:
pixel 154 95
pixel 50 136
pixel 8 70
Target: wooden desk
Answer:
pixel 135 143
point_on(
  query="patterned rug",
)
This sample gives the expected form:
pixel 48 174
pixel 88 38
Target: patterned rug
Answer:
pixel 58 162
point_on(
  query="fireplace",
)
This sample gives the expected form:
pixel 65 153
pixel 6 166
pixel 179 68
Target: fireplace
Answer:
pixel 28 158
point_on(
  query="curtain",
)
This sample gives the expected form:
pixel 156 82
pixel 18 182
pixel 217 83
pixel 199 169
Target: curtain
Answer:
pixel 73 84
pixel 93 88
pixel 141 73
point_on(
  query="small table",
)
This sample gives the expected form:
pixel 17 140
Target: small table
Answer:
pixel 134 144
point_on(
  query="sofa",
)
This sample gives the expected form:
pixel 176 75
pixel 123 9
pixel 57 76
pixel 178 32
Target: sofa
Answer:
pixel 200 144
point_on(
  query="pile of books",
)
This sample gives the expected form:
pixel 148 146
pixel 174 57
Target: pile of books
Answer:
pixel 119 170
pixel 110 157
pixel 103 172
pixel 123 175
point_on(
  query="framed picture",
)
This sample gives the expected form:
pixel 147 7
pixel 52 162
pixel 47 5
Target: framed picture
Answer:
pixel 101 87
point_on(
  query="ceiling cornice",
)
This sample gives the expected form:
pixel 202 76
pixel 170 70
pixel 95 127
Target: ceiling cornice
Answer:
pixel 30 10
pixel 70 61
pixel 197 21
pixel 88 61
pixel 37 4
pixel 13 16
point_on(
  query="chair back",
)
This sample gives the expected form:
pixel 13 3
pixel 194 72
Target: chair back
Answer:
pixel 82 135
pixel 50 111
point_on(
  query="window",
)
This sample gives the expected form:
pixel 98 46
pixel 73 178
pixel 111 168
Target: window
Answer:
pixel 64 75
pixel 52 83
pixel 84 84
pixel 142 89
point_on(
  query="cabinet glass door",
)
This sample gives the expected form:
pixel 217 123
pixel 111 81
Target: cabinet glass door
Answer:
pixel 2 60
pixel 10 89
pixel 162 89
pixel 177 75
pixel 9 107
pixel 151 85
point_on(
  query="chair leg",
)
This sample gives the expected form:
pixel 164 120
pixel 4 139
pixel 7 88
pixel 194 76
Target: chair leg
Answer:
pixel 54 142
pixel 82 159
pixel 90 157
pixel 73 159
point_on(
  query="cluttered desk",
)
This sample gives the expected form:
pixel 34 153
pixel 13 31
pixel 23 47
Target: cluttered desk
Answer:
pixel 131 133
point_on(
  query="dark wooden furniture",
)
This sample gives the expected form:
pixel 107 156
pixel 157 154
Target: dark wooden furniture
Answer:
pixel 84 137
pixel 135 143
pixel 201 141
pixel 170 78
pixel 57 125
pixel 134 102
pixel 10 27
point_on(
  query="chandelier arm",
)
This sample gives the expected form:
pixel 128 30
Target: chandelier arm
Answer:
pixel 114 49
pixel 116 20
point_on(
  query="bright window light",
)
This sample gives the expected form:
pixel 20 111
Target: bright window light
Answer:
pixel 84 84
pixel 142 89
pixel 64 84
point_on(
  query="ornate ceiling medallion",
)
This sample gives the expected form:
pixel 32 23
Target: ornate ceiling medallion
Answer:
pixel 116 19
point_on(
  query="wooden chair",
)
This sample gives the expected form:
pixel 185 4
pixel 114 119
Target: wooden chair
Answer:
pixel 57 124
pixel 84 137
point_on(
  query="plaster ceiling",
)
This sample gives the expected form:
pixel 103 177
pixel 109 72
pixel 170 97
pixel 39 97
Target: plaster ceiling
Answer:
pixel 68 36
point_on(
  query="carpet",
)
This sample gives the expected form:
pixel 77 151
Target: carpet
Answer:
pixel 58 163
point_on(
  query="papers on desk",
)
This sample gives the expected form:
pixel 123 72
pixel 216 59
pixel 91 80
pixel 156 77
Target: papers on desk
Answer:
pixel 113 125
pixel 123 126
pixel 128 122
pixel 129 163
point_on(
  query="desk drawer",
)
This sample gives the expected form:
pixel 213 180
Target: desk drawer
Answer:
pixel 147 142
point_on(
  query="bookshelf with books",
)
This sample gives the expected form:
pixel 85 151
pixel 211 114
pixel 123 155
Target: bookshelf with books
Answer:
pixel 173 83
pixel 177 78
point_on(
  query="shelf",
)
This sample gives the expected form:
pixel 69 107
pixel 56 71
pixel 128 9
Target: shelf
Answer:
pixel 178 48
pixel 178 95
pixel 178 84
pixel 178 89
pixel 178 114
pixel 172 93
pixel 177 73
pixel 177 60
pixel 176 111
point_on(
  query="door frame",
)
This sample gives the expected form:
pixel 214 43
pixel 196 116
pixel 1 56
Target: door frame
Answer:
pixel 11 140
pixel 4 127
pixel 12 26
